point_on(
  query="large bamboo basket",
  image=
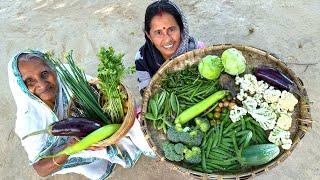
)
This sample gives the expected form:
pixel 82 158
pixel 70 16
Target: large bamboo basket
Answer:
pixel 127 123
pixel 301 117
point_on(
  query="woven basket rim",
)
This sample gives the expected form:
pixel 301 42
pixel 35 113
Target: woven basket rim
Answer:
pixel 305 121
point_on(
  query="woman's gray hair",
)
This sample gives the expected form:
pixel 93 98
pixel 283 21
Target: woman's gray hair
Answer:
pixel 39 55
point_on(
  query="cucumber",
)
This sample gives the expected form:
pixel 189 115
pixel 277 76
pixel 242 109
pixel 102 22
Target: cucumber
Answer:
pixel 259 154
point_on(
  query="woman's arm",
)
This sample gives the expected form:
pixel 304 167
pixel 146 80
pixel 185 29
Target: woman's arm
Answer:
pixel 47 166
pixel 142 74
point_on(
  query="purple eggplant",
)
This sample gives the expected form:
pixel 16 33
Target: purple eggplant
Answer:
pixel 74 126
pixel 277 79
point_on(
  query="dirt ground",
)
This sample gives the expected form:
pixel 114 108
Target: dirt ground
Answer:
pixel 288 28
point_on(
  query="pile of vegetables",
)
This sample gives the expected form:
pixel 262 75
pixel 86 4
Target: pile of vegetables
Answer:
pixel 270 107
pixel 218 119
pixel 104 114
pixel 108 109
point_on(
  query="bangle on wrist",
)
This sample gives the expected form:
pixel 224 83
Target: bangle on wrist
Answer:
pixel 54 162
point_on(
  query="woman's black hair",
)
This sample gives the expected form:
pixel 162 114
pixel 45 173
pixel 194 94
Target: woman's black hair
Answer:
pixel 157 8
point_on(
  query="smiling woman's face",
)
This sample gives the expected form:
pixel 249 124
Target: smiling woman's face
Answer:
pixel 40 79
pixel 165 34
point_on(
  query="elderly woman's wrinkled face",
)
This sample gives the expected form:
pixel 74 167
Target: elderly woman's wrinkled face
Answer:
pixel 40 79
pixel 165 34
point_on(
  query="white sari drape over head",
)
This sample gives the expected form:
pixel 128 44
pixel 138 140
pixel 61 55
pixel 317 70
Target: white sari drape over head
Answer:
pixel 33 115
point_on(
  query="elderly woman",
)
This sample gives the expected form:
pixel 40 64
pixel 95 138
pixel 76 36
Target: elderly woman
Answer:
pixel 41 100
pixel 167 36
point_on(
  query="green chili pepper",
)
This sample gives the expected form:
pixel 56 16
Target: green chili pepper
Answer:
pixel 173 102
pixel 154 108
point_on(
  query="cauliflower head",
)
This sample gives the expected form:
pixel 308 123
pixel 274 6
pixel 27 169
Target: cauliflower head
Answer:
pixel 287 101
pixel 284 121
pixel 271 95
pixel 280 137
pixel 265 117
pixel 237 113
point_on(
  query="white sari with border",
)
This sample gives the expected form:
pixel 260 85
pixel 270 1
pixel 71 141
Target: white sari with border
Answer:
pixel 33 115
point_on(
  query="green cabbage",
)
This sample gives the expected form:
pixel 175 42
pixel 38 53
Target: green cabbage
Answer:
pixel 233 61
pixel 210 67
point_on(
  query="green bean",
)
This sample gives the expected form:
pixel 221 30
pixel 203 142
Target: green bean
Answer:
pixel 216 138
pixel 227 148
pixel 212 136
pixel 226 119
pixel 220 133
pixel 220 151
pixel 233 136
pixel 242 139
pixel 228 144
pixel 228 140
pixel 259 139
pixel 214 166
pixel 247 140
pixel 196 90
pixel 204 141
pixel 162 98
pixel 254 122
pixel 150 116
pixel 203 160
pixel 234 167
pixel 243 124
pixel 231 132
pixel 229 128
pixel 154 108
pixel 240 133
pixel 228 162
pixel 217 156
pixel 173 102
pixel 261 131
pixel 248 125
pixel 209 132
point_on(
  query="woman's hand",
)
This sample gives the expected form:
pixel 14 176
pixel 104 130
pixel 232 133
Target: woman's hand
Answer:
pixel 47 166
pixel 96 148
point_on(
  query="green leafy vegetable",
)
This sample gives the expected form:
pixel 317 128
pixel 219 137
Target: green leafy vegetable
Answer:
pixel 170 153
pixel 189 138
pixel 202 123
pixel 110 72
pixel 210 67
pixel 193 156
pixel 233 61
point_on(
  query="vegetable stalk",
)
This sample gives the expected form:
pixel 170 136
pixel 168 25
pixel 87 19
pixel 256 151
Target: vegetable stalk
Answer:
pixel 75 80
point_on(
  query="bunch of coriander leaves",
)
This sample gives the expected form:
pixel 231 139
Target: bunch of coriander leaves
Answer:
pixel 110 73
